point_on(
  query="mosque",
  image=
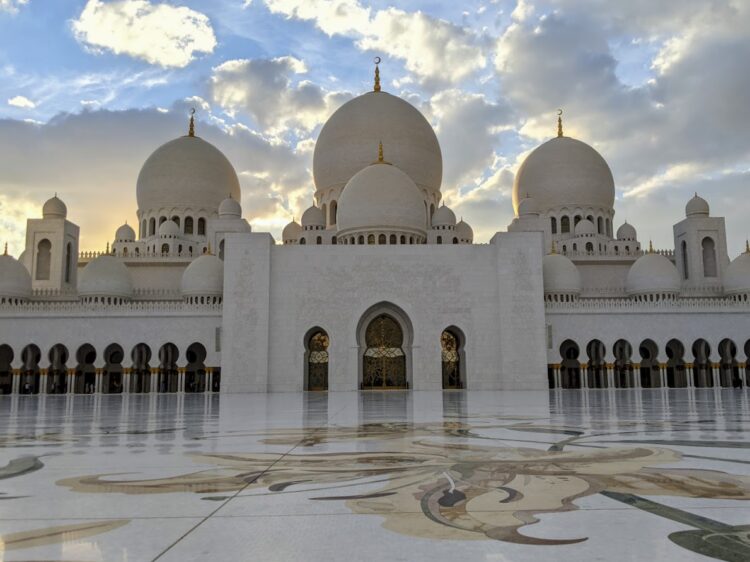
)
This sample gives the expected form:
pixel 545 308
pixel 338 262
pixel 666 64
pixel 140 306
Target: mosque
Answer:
pixel 379 286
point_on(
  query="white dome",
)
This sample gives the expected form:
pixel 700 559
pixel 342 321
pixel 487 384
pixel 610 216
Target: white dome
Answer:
pixel 464 231
pixel 15 281
pixel 313 216
pixel 652 273
pixel 564 172
pixel 585 227
pixel 204 277
pixel 737 278
pixel 696 207
pixel 169 229
pixel 54 209
pixel 349 139
pixel 230 208
pixel 381 197
pixel 560 275
pixel 291 232
pixel 444 217
pixel 186 173
pixel 528 206
pixel 105 276
pixel 125 234
pixel 626 232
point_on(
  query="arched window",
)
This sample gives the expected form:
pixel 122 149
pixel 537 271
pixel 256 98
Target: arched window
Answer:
pixel 451 343
pixel 411 240
pixel 151 226
pixel 43 260
pixel 384 361
pixel 589 247
pixel 332 208
pixel 334 240
pixel 455 240
pixel 201 226
pixel 600 225
pixel 575 247
pixel 576 220
pixel 565 224
pixel 439 239
pixel 319 240
pixel 69 261
pixel 302 241
pixel 553 224
pixel 361 239
pixel 162 220
pixel 685 269
pixel 381 239
pixel 221 250
pixel 394 239
pixel 176 220
pixel 188 225
pixel 709 257
pixel 316 352
pixel 403 239
pixel 164 249
pixel 370 238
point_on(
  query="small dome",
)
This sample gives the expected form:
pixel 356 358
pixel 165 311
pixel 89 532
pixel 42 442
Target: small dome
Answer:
pixel 186 173
pixel 291 232
pixel 528 207
pixel 381 197
pixel 169 229
pixel 464 231
pixel 105 276
pixel 15 281
pixel 626 232
pixel 204 277
pixel 313 217
pixel 54 209
pixel 737 278
pixel 444 217
pixel 585 228
pixel 125 234
pixel 345 143
pixel 696 207
pixel 652 273
pixel 564 172
pixel 230 208
pixel 560 275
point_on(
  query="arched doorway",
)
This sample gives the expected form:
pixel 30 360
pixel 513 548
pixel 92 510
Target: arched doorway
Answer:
pixel 702 369
pixel 30 357
pixel 452 358
pixel 168 375
pixel 57 374
pixel 316 359
pixel 623 368
pixel 6 369
pixel 384 360
pixel 140 374
pixel 570 368
pixel 112 373
pixel 729 371
pixel 85 377
pixel 597 371
pixel 676 377
pixel 650 372
pixel 195 372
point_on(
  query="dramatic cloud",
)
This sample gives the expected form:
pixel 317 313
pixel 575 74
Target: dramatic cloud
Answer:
pixel 11 6
pixel 264 89
pixel 434 50
pixel 22 102
pixel 160 34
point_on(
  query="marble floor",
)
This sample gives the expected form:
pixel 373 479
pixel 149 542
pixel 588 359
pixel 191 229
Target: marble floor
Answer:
pixel 497 476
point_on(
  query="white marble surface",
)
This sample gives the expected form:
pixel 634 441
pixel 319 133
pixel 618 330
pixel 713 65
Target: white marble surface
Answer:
pixel 240 477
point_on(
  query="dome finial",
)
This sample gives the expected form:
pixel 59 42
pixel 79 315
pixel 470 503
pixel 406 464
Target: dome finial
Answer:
pixel 747 247
pixel 381 158
pixel 650 247
pixel 5 253
pixel 208 249
pixel 553 250
pixel 191 128
pixel 559 123
pixel 107 250
pixel 377 75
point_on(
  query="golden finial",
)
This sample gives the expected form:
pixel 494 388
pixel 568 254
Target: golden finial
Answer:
pixel 107 251
pixel 5 253
pixel 377 75
pixel 559 123
pixel 381 159
pixel 747 247
pixel 191 128
pixel 553 250
pixel 208 249
pixel 650 247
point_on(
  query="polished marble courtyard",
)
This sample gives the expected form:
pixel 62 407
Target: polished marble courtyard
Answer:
pixel 567 475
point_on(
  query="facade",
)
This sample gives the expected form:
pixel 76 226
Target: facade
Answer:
pixel 378 286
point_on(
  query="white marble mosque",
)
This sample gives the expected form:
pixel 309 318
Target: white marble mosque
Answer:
pixel 379 286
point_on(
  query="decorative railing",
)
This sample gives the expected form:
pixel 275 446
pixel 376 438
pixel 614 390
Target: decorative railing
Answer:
pixel 140 306
pixel 611 253
pixel 687 304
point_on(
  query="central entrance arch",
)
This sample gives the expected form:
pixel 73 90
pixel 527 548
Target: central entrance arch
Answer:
pixel 384 338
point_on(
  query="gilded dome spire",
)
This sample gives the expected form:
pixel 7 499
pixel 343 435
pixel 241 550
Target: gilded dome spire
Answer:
pixel 559 123
pixel 377 75
pixel 191 127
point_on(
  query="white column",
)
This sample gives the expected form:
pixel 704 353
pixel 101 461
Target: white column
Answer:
pixel 610 375
pixel 558 378
pixel 209 379
pixel 43 381
pixel 180 380
pixel 15 381
pixel 126 381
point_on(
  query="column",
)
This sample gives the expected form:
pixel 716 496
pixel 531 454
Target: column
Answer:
pixel 637 376
pixel 180 380
pixel 610 375
pixel 43 381
pixel 126 381
pixel 558 377
pixel 154 378
pixel 16 382
pixel 98 382
pixel 209 379
pixel 716 374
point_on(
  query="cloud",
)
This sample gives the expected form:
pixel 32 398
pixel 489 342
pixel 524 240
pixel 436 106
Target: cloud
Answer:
pixel 269 90
pixel 435 50
pixel 160 34
pixel 21 102
pixel 12 6
pixel 92 160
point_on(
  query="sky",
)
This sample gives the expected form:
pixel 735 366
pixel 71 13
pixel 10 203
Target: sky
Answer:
pixel 89 88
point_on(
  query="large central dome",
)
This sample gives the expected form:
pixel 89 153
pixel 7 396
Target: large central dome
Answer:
pixel 350 137
pixel 187 172
pixel 564 172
